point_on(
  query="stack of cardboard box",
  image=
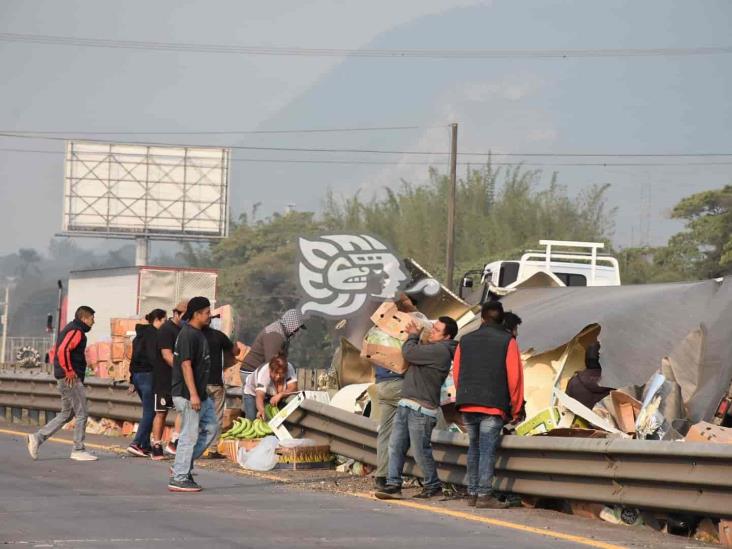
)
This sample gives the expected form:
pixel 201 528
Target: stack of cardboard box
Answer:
pixel 111 359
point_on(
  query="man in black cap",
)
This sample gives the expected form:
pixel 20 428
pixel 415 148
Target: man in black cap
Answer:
pixel 191 366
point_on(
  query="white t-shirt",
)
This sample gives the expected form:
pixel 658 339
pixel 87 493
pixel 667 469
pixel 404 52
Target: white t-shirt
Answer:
pixel 259 380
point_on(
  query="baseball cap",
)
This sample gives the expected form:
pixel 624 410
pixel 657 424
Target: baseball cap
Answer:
pixel 182 306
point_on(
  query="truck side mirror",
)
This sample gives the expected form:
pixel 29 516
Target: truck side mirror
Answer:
pixel 467 282
pixel 49 323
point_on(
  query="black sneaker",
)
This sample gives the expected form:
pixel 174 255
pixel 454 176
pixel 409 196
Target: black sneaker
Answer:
pixel 187 485
pixel 379 483
pixel 137 450
pixel 490 502
pixel 428 493
pixel 157 454
pixel 390 492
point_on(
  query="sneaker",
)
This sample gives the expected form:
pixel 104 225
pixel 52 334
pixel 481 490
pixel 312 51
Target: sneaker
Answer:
pixel 379 483
pixel 172 447
pixel 83 455
pixel 33 446
pixel 471 500
pixel 137 450
pixel 215 455
pixel 187 485
pixel 490 502
pixel 390 492
pixel 171 473
pixel 428 493
pixel 156 453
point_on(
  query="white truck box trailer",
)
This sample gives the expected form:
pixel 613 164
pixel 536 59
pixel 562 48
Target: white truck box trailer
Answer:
pixel 126 292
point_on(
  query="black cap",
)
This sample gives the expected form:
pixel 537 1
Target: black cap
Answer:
pixel 194 305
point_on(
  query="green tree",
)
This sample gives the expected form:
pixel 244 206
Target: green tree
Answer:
pixel 499 214
pixel 704 248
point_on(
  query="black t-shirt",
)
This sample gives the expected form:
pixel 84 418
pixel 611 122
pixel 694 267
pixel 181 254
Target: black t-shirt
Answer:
pixel 218 344
pixel 191 345
pixel 162 373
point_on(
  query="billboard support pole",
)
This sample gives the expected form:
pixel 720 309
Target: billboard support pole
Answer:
pixel 142 251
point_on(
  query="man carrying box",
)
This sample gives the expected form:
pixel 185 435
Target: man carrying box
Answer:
pixel 429 365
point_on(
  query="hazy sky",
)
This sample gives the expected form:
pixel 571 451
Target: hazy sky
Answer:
pixel 660 104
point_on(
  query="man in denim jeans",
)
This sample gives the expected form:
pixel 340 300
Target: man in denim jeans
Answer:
pixel 429 365
pixel 489 388
pixel 191 366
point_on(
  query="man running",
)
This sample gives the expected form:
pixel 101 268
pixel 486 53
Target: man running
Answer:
pixel 69 368
pixel 191 367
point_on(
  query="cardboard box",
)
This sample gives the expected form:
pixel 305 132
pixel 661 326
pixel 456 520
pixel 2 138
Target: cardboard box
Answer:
pixel 119 327
pixel 119 371
pixel 544 421
pixel 389 357
pixel 230 448
pixel 391 320
pixel 305 457
pixel 625 410
pixel 92 355
pixel 708 432
pixel 104 351
pixel 118 350
pixel 101 369
pixel 230 414
pixel 725 533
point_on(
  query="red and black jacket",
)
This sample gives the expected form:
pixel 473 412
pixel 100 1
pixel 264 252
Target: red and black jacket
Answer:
pixel 69 356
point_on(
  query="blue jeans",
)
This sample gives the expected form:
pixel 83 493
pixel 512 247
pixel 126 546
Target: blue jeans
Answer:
pixel 197 430
pixel 143 383
pixel 250 407
pixel 412 428
pixel 484 432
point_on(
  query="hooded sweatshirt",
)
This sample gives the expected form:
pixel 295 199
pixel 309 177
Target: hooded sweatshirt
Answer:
pixel 273 339
pixel 69 359
pixel 429 365
pixel 144 349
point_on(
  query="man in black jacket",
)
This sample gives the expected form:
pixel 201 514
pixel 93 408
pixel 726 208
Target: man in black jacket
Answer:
pixel 69 368
pixel 429 365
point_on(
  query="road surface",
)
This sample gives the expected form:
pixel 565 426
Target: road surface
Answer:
pixel 124 502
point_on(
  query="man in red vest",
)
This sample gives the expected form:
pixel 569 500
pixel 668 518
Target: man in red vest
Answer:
pixel 489 385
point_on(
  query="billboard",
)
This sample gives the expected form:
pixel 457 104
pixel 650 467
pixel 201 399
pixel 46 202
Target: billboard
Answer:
pixel 128 190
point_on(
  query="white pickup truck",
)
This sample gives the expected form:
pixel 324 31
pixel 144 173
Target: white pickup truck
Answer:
pixel 563 263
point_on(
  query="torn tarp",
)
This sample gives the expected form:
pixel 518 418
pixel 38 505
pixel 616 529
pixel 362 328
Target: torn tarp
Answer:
pixel 641 325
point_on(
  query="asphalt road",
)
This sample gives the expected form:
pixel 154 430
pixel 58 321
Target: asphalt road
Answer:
pixel 124 502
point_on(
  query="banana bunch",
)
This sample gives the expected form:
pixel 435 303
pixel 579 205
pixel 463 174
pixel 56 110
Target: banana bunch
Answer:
pixel 248 429
pixel 309 457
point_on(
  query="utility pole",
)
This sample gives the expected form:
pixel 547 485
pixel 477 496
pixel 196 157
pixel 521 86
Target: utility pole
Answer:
pixel 6 307
pixel 451 196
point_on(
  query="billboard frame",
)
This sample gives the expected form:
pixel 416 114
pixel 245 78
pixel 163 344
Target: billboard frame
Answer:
pixel 108 155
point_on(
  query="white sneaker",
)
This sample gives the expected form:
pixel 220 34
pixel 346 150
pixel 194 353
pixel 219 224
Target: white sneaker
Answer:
pixel 33 446
pixel 83 455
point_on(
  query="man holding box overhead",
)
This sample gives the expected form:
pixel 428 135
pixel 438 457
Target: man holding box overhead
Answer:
pixel 416 417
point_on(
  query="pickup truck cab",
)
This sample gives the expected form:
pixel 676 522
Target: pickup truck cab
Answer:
pixel 567 263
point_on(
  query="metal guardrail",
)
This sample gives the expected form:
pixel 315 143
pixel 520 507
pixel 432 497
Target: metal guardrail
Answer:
pixel 671 476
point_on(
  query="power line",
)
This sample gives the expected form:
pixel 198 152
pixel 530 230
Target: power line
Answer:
pixel 394 163
pixel 371 53
pixel 222 132
pixel 400 152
